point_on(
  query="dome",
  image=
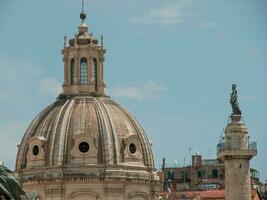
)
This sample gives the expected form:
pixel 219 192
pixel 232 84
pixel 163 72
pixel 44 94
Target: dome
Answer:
pixel 100 122
pixel 85 145
pixel 85 139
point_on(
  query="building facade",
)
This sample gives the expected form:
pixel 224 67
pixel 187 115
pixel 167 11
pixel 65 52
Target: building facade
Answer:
pixel 202 174
pixel 85 145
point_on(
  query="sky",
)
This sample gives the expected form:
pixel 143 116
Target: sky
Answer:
pixel 170 62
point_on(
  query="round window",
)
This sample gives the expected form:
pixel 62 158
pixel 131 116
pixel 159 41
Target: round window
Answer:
pixel 35 150
pixel 84 147
pixel 132 148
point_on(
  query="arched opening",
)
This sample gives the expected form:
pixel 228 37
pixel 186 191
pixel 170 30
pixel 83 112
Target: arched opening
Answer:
pixel 95 72
pixel 84 71
pixel 72 70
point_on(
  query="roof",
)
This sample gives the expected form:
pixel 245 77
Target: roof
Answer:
pixel 208 194
pixel 104 124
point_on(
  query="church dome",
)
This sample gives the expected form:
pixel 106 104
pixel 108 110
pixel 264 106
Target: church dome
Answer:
pixel 84 130
pixel 85 145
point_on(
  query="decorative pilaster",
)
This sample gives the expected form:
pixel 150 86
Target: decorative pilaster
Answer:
pixel 91 76
pixel 78 70
pixel 65 60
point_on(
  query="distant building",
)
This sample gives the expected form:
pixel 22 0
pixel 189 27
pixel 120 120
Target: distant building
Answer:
pixel 203 195
pixel 202 174
pixel 263 190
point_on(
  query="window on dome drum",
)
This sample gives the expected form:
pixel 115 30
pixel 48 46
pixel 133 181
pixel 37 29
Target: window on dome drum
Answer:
pixel 35 150
pixel 95 69
pixel 84 147
pixel 132 148
pixel 84 71
pixel 72 69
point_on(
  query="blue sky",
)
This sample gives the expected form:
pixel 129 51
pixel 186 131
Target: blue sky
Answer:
pixel 170 62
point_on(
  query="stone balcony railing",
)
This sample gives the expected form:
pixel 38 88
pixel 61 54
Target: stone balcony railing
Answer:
pixel 230 149
pixel 230 146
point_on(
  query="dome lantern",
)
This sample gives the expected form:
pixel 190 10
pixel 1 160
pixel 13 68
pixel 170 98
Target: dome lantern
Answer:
pixel 83 63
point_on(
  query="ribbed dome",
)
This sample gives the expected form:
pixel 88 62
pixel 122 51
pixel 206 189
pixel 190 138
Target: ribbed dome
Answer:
pixel 85 145
pixel 64 131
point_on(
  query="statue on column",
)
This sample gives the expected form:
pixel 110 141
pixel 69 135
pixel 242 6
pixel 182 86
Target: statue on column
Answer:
pixel 234 101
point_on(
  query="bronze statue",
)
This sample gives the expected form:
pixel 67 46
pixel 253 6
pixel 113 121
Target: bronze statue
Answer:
pixel 234 102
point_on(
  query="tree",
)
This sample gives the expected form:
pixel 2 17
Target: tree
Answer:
pixel 10 184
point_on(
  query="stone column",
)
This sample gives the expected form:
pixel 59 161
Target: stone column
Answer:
pixel 236 153
pixel 237 179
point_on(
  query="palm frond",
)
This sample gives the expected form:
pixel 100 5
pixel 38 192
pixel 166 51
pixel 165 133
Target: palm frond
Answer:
pixel 10 184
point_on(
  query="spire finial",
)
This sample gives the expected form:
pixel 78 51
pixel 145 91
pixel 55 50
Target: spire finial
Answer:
pixel 102 41
pixel 65 41
pixel 82 15
pixel 82 6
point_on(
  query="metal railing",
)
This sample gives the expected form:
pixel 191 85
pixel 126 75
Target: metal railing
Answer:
pixel 230 146
pixel 210 162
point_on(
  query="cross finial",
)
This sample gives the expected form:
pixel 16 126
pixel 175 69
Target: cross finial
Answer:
pixel 82 6
pixel 82 15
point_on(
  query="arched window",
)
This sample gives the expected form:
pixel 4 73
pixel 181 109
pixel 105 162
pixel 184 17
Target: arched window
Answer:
pixel 95 69
pixel 72 70
pixel 84 73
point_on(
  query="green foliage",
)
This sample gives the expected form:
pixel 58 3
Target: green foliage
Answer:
pixel 10 184
pixel 95 94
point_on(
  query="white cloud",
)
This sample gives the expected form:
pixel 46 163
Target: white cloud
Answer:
pixel 206 25
pixel 166 14
pixel 21 79
pixel 146 90
pixel 252 51
pixel 221 33
pixel 3 96
pixel 249 98
pixel 18 78
pixel 49 87
pixel 170 12
pixel 11 134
